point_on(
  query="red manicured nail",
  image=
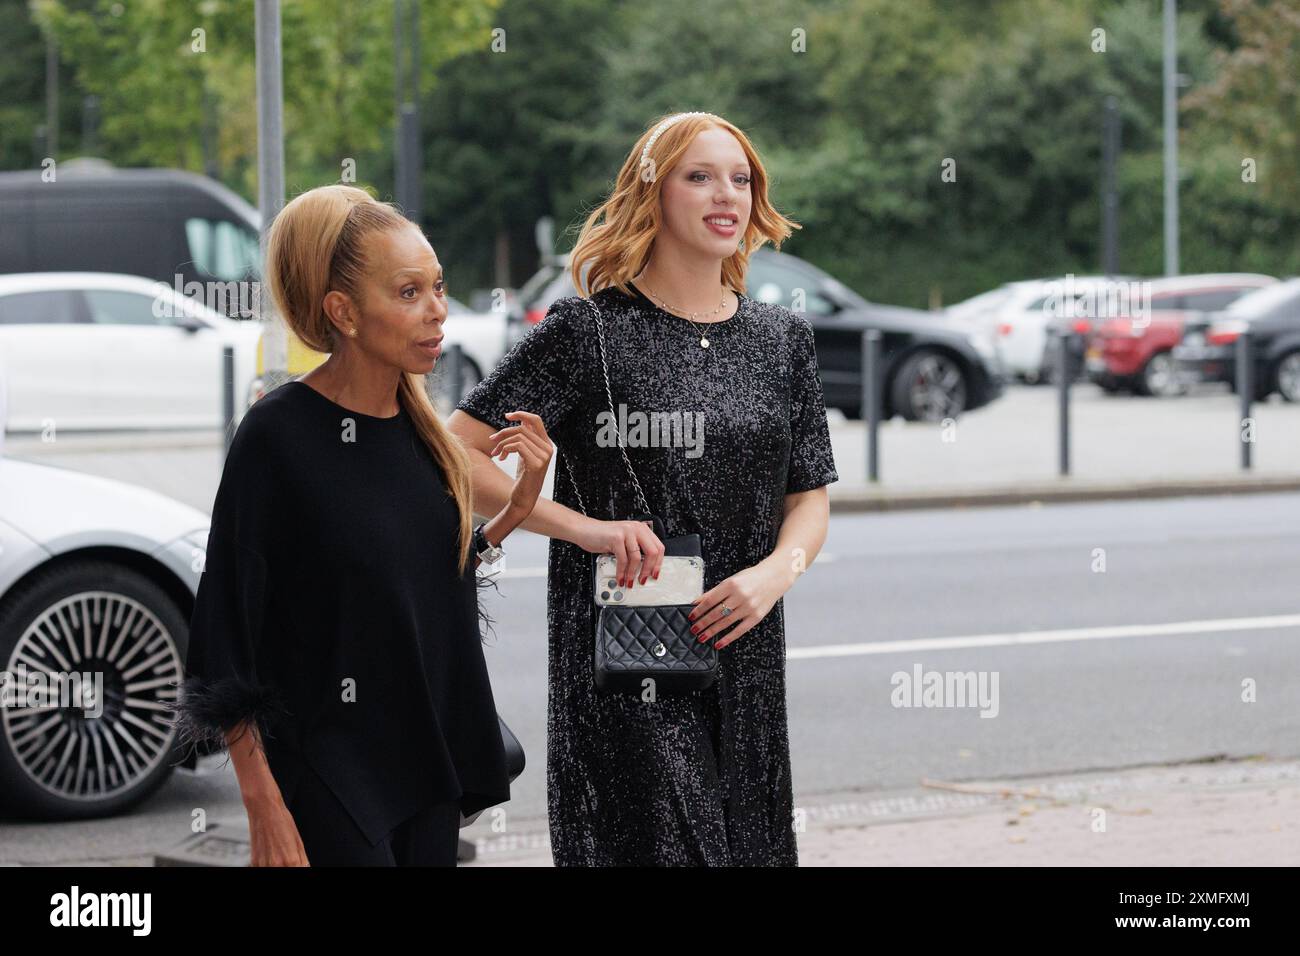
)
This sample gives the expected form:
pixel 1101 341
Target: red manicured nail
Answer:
pixel 691 616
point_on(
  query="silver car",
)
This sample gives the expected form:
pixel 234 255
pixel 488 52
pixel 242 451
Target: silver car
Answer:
pixel 97 581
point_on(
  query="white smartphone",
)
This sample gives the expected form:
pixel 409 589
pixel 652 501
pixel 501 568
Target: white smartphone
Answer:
pixel 680 581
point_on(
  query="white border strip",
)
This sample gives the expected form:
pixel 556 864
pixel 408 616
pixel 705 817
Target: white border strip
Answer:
pixel 1179 628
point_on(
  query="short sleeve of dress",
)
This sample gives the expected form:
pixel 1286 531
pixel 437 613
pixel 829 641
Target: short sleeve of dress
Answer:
pixel 812 462
pixel 547 372
pixel 224 685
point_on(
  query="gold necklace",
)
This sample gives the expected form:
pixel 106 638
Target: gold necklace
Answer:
pixel 690 317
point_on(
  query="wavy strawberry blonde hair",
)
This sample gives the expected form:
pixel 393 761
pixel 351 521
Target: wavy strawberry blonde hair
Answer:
pixel 318 243
pixel 616 240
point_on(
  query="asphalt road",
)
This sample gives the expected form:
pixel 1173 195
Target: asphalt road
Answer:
pixel 1143 662
pixel 1073 702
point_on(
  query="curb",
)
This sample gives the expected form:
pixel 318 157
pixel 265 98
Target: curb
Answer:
pixel 863 498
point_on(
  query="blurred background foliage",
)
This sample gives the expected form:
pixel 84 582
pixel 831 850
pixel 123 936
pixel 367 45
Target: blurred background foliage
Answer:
pixel 854 128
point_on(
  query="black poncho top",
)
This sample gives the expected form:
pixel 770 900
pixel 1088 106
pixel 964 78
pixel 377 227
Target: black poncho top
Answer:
pixel 332 613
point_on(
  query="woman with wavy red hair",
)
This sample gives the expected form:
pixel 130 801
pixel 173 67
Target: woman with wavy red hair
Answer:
pixel 703 777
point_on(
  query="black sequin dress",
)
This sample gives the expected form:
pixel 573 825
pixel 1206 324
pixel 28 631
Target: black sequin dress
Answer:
pixel 701 778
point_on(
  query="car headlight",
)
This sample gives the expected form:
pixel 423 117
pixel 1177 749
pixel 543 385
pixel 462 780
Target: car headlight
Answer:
pixel 199 537
pixel 984 346
pixel 188 554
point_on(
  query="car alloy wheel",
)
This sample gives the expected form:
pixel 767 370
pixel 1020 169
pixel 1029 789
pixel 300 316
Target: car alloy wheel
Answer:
pixel 1288 377
pixel 1160 376
pixel 69 756
pixel 931 387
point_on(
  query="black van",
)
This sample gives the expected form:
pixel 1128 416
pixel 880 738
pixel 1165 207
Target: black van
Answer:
pixel 164 224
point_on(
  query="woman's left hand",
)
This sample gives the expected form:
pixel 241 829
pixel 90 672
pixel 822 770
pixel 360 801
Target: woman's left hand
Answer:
pixel 750 594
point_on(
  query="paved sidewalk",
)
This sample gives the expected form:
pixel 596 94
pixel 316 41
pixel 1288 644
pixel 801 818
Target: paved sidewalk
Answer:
pixel 1229 813
pixel 1005 453
pixel 1120 447
pixel 1214 813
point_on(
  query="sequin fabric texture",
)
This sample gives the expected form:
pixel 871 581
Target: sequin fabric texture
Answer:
pixel 700 778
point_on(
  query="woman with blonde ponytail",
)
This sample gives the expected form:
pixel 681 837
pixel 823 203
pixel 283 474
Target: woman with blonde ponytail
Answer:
pixel 336 625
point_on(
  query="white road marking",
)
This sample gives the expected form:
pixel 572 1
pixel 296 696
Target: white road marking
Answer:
pixel 1180 628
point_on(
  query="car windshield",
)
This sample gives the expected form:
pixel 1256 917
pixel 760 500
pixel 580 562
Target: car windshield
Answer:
pixel 539 281
pixel 223 249
pixel 793 283
pixel 984 302
pixel 1091 298
pixel 1265 300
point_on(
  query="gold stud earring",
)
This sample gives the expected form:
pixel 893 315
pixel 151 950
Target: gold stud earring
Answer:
pixel 352 331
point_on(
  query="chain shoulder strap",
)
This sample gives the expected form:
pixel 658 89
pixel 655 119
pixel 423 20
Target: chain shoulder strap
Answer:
pixel 609 395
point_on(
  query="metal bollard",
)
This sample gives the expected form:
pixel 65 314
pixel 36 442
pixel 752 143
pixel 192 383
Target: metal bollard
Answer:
pixel 1245 393
pixel 228 396
pixel 457 381
pixel 1062 347
pixel 871 399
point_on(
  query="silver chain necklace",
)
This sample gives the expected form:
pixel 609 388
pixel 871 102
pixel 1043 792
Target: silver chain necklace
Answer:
pixel 690 316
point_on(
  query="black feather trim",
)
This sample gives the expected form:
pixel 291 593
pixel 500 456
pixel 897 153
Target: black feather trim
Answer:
pixel 208 710
pixel 481 583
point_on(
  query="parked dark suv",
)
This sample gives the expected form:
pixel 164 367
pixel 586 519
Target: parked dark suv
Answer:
pixel 1208 351
pixel 932 367
pixel 163 224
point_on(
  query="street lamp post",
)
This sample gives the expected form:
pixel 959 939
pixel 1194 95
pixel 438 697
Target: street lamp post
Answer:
pixel 270 167
pixel 1171 138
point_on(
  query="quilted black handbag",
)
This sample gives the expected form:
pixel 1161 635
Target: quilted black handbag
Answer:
pixel 654 642
pixel 634 644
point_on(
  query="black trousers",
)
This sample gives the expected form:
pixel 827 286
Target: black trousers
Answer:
pixel 331 838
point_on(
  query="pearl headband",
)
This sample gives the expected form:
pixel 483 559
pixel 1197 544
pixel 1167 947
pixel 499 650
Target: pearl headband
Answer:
pixel 654 137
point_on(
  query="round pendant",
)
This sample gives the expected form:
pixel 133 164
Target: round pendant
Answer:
pixel 704 343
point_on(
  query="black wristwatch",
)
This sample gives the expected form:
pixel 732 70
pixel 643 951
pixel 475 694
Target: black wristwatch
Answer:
pixel 488 553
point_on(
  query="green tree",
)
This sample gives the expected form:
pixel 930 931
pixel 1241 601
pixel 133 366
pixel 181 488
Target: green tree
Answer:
pixel 506 136
pixel 1251 109
pixel 177 82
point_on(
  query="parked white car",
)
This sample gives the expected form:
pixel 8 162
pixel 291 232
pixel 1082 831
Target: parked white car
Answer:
pixel 1018 315
pixel 97 577
pixel 482 338
pixel 94 350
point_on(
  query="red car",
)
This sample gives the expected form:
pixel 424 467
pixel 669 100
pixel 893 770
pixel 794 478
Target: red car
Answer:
pixel 1136 354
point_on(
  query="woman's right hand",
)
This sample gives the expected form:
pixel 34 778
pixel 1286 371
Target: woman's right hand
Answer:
pixel 634 544
pixel 272 835
pixel 528 439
